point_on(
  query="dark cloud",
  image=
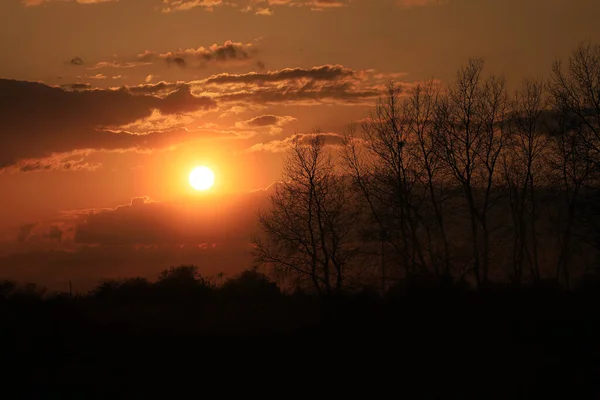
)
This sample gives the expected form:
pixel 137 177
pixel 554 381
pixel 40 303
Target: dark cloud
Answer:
pixel 267 120
pixel 25 231
pixel 72 161
pixel 76 61
pixel 159 88
pixel 43 125
pixel 259 7
pixel 179 61
pixel 333 83
pixel 51 164
pixel 182 100
pixel 55 234
pixel 228 53
pixel 342 93
pixel 264 120
pixel 38 120
pixel 322 73
pixel 118 64
pixel 137 239
pixel 218 219
pixel 76 86
pixel 31 3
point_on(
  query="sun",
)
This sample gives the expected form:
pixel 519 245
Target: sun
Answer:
pixel 202 178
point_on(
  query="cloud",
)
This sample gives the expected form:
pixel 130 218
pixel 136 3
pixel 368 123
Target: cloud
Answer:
pixel 193 221
pixel 261 7
pixel 76 86
pixel 339 93
pixel 158 89
pixel 274 123
pixel 156 122
pixel 389 76
pixel 229 53
pixel 118 64
pixel 326 83
pixel 219 219
pixel 60 120
pixel 141 238
pixel 31 3
pixel 420 3
pixel 266 120
pixel 258 7
pixel 38 232
pixel 250 5
pixel 76 61
pixel 332 84
pixel 264 7
pixel 321 73
pixel 276 146
pixel 39 120
pixel 73 161
pixel 25 231
pixel 264 11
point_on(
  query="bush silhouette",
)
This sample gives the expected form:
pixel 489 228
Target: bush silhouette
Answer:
pixel 182 284
pixel 250 285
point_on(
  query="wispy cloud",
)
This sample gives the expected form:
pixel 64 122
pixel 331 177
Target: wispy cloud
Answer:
pixel 229 53
pixel 274 123
pixel 260 7
pixel 31 3
pixel 276 146
pixel 71 161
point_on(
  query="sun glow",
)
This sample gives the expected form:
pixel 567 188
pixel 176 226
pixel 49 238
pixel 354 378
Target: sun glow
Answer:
pixel 201 178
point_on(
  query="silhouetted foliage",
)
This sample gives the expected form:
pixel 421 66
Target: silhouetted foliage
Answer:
pixel 468 182
pixel 308 231
pixel 130 326
pixel 250 285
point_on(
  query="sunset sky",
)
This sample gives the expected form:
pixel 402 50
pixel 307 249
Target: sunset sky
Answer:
pixel 106 106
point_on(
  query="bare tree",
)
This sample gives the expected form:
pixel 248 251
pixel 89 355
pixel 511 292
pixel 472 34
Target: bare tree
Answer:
pixel 573 166
pixel 575 95
pixel 471 123
pixel 576 92
pixel 382 168
pixel 307 231
pixel 419 111
pixel 523 166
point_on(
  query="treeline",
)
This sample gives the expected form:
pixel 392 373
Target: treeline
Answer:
pixel 125 336
pixel 468 183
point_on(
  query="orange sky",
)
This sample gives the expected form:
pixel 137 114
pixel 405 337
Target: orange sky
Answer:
pixel 104 103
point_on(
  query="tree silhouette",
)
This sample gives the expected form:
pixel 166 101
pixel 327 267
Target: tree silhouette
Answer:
pixel 471 120
pixel 575 96
pixel 524 170
pixel 308 229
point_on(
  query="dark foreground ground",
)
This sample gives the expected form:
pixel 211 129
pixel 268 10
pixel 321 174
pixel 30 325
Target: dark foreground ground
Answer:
pixel 134 343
